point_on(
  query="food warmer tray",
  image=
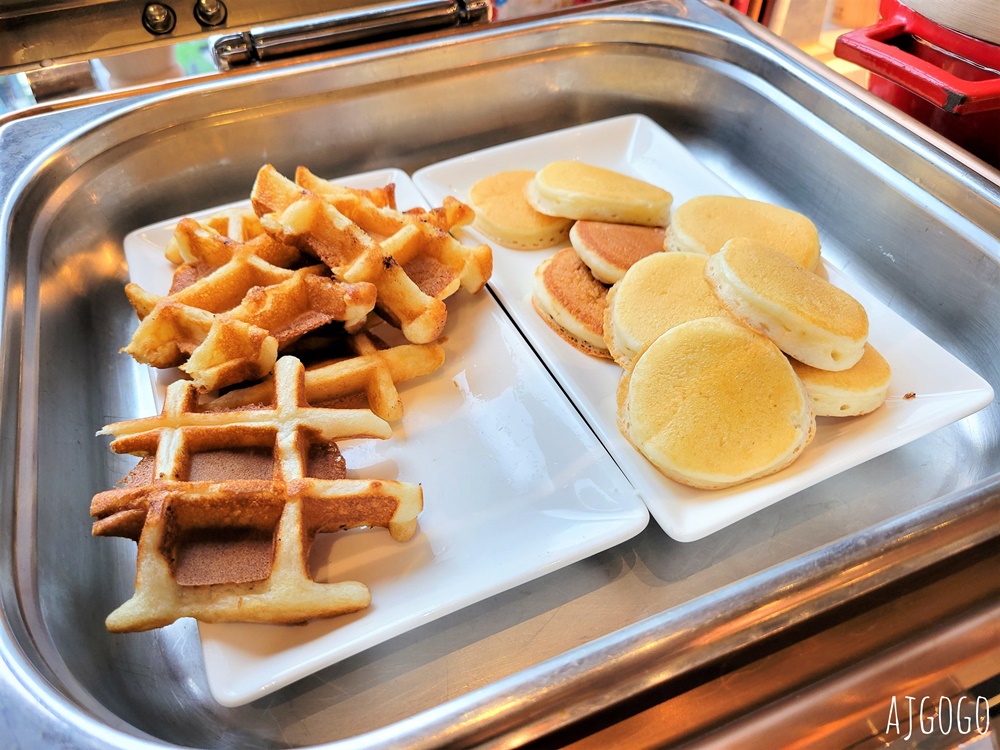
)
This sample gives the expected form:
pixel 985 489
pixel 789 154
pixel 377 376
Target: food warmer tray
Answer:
pixel 913 219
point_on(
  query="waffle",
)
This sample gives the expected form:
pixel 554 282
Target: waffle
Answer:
pixel 412 261
pixel 231 309
pixel 370 369
pixel 381 197
pixel 450 214
pixel 240 224
pixel 225 506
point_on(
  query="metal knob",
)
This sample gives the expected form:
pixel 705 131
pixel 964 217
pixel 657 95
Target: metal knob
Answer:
pixel 158 18
pixel 210 12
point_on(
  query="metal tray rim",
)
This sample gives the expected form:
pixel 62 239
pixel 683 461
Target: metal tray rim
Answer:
pixel 450 722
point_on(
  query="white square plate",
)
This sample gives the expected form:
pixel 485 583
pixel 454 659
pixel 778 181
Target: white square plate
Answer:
pixel 515 486
pixel 946 390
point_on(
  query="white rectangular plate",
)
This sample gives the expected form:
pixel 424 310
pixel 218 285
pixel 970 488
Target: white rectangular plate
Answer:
pixel 946 390
pixel 515 486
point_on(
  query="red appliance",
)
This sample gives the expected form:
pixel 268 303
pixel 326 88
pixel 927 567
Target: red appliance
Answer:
pixel 948 80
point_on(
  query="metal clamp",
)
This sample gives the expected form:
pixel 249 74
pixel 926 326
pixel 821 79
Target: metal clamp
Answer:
pixel 323 32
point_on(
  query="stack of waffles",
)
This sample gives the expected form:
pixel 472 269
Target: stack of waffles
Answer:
pixel 241 470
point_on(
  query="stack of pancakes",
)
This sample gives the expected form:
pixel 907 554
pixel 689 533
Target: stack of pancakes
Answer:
pixel 732 345
pixel 720 400
pixel 730 341
pixel 611 221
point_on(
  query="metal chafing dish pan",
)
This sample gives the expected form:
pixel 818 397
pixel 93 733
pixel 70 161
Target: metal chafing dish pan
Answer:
pixel 918 222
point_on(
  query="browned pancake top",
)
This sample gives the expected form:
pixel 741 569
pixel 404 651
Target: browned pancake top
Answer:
pixel 619 244
pixel 572 285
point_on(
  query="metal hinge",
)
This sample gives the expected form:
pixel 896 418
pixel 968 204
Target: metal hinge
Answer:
pixel 323 32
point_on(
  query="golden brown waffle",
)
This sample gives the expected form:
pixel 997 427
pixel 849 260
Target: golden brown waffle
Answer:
pixel 382 197
pixel 452 213
pixel 414 263
pixel 240 224
pixel 371 369
pixel 226 505
pixel 235 309
pixel 199 253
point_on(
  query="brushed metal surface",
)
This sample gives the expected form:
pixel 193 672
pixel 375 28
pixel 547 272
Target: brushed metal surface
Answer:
pixel 295 38
pixel 36 33
pixel 829 682
pixel 914 225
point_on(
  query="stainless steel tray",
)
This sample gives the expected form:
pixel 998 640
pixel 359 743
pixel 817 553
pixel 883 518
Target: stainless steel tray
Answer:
pixel 919 222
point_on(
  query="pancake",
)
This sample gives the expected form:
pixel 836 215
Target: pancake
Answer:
pixel 806 316
pixel 571 301
pixel 704 224
pixel 849 393
pixel 575 190
pixel 656 294
pixel 504 215
pixel 609 250
pixel 713 404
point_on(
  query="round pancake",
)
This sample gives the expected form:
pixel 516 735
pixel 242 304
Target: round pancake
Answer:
pixel 704 224
pixel 806 316
pixel 656 294
pixel 571 301
pixel 847 393
pixel 609 250
pixel 504 215
pixel 575 190
pixel 713 404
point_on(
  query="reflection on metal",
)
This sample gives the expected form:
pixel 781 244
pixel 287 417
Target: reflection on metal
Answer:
pixel 55 81
pixel 846 681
